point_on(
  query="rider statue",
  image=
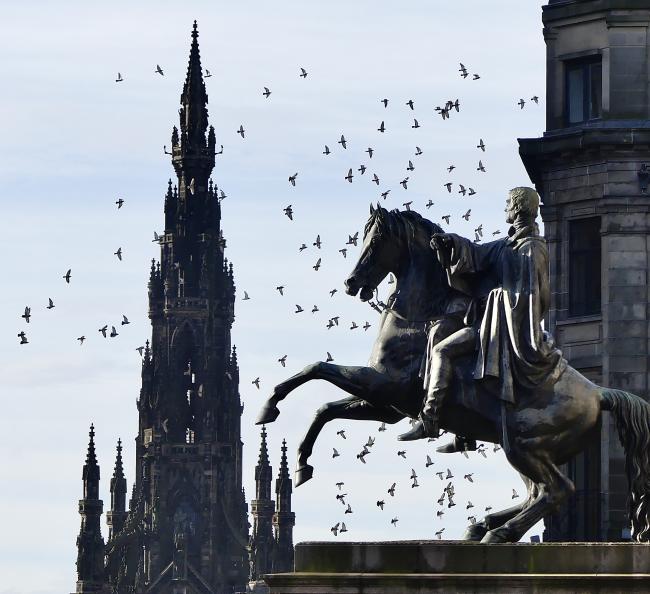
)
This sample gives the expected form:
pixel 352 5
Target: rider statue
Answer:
pixel 508 282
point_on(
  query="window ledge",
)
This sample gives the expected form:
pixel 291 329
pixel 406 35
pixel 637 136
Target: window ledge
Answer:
pixel 580 320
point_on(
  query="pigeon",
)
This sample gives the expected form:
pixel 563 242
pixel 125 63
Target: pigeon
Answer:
pixel 343 142
pixel 410 103
pixel 335 454
pixel 302 247
pixel 317 265
pixel 391 490
pixel 446 218
pixel 369 151
pixel 385 102
pixel 327 150
pixel 292 179
pixel 349 176
pixel 50 304
pixel 27 314
pixel 125 320
pixel 407 205
pixel 370 442
pixel 354 326
pixel 119 77
pixel 382 127
pixel 341 432
pixel 535 99
pixel 449 474
pixel 280 289
pixel 440 513
pixel 348 509
pixel 410 166
pixel 303 73
pixel 467 215
pixel 481 145
pixel 344 251
pixel 120 203
pixel 207 73
pixel 439 533
pixel 113 333
pixel 340 484
pixel 341 497
pixel 481 450
pixel 332 292
pixel 314 309
pixel 415 483
pixel 267 92
pixel 256 382
pixel 118 253
pixel 451 168
pixel 496 447
pixel 352 239
pixel 318 243
pixel 362 169
pixel 415 124
pixel 246 297
pixel 103 330
pixel 514 494
pixel 429 204
pixel 362 456
pixel 404 183
pixel 439 475
pixel 140 349
pixel 429 461
pixel 471 519
pixel 68 275
pixel 450 502
pixel 23 338
pixel 366 326
pixel 480 167
pixel 521 103
pixel 479 230
pixel 475 77
pixel 384 195
pixel 298 309
pixel 488 508
pixel 402 453
pixel 394 522
pixel 463 71
pixel 283 360
pixel 471 192
pixel 462 190
pixel 289 212
pixel 469 505
pixel 335 529
pixel 448 185
pixel 413 474
pixel 418 151
pixel 343 527
pixel 241 130
pixel 375 178
pixel 380 504
pixel 81 340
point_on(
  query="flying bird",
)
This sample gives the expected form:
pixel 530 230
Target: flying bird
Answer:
pixel 298 309
pixel 327 150
pixel 380 504
pixel 318 243
pixel 463 71
pixel 418 151
pixel 120 203
pixel 343 142
pixel 521 103
pixel 68 275
pixel 23 338
pixel 352 239
pixel 429 204
pixel 50 305
pixel 81 340
pixel 316 266
pixel 404 182
pixel 303 73
pixel 125 320
pixel 292 179
pixel 280 289
pixel 370 151
pixel 415 124
pixel 119 77
pixel 256 382
pixel 391 490
pixel 267 92
pixel 207 73
pixel 241 131
pixel 467 215
pixel 446 218
pixel 140 349
pixel 366 326
pixel 382 127
pixel 159 70
pixel 481 145
pixel 103 330
pixel 429 461
pixel 114 332
pixel 289 212
pixel 27 314
pixel 480 167
pixel 410 166
pixel 349 176
pixel 335 453
pixel 448 185
pixel 283 360
pixel 535 99
pixel 246 296
pixel 385 102
pixel 118 253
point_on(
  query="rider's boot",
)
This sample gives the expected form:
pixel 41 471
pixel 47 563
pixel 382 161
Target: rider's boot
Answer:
pixel 459 444
pixel 428 423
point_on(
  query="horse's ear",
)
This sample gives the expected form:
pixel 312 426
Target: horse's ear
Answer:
pixel 372 209
pixel 379 207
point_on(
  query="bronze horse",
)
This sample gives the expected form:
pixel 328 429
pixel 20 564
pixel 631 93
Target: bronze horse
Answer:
pixel 544 429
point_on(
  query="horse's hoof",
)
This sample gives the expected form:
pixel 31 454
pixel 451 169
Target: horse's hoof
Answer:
pixel 268 414
pixel 498 535
pixel 475 532
pixel 303 474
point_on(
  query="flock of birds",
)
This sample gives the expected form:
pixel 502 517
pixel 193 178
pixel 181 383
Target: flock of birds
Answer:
pixel 446 498
pixel 446 110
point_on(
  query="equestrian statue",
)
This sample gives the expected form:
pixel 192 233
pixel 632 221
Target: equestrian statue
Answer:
pixel 461 348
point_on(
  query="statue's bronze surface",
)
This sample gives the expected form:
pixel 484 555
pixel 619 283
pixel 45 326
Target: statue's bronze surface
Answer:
pixel 502 380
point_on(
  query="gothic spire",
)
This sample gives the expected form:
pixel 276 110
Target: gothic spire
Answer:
pixel 263 459
pixel 116 517
pixel 91 468
pixel 284 466
pixel 194 99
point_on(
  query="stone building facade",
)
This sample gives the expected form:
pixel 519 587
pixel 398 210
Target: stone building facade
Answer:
pixel 590 170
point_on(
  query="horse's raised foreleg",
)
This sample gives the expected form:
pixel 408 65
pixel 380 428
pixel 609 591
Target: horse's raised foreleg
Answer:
pixel 552 488
pixel 355 380
pixel 347 408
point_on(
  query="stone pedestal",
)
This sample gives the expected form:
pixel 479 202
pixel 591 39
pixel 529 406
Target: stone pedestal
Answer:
pixel 461 567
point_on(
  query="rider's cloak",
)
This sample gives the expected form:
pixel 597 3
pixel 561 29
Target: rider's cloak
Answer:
pixel 513 274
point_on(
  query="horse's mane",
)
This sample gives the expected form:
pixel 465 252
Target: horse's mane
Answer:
pixel 411 227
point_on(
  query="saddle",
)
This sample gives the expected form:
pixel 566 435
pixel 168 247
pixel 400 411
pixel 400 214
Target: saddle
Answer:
pixel 481 397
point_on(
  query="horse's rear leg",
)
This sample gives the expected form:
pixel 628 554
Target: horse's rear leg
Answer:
pixel 553 488
pixel 347 408
pixel 356 380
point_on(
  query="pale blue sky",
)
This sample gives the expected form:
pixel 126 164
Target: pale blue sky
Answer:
pixel 74 140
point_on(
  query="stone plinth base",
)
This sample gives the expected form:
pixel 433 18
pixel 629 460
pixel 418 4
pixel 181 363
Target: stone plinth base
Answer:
pixel 461 567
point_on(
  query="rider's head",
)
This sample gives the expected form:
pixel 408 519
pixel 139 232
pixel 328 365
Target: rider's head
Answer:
pixel 522 202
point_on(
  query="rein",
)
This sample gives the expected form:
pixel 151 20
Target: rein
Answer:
pixel 399 316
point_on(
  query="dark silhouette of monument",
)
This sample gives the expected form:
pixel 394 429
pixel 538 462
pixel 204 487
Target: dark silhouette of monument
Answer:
pixel 186 528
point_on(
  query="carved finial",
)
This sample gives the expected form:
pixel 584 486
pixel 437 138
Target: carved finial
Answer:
pixel 263 459
pixel 118 473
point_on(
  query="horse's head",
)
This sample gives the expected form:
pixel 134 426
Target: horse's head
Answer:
pixel 379 256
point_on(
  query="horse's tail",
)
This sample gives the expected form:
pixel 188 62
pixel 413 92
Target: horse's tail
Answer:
pixel 632 416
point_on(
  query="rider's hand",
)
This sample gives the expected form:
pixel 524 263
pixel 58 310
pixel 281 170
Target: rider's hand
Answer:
pixel 440 241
